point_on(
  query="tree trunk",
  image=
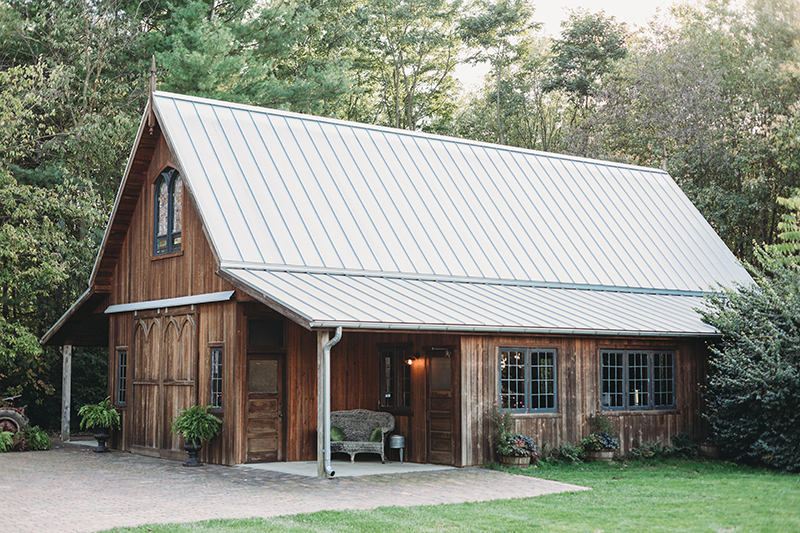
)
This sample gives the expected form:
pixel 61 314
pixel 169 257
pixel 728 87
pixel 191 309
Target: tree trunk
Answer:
pixel 500 136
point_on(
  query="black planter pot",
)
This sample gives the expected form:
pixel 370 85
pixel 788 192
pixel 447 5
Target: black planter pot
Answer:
pixel 101 435
pixel 193 448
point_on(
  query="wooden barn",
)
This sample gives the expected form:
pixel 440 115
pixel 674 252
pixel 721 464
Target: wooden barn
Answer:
pixel 460 274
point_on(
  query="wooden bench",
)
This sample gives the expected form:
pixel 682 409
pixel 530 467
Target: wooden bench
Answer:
pixel 357 426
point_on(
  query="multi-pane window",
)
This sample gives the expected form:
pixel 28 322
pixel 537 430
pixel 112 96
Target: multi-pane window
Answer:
pixel 395 373
pixel 528 379
pixel 613 396
pixel 216 378
pixel 636 379
pixel 168 213
pixel 663 379
pixel 122 377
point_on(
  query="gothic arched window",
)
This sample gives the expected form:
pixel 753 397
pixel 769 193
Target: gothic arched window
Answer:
pixel 168 207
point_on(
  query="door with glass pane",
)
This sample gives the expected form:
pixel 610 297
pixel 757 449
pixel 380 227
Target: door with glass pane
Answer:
pixel 440 424
pixel 266 354
pixel 265 409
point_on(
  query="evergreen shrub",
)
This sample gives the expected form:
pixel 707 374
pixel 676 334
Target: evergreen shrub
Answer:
pixel 753 389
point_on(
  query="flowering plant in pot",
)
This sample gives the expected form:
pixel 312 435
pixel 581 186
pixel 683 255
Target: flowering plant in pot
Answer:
pixel 196 425
pixel 601 442
pixel 518 450
pixel 509 447
pixel 100 417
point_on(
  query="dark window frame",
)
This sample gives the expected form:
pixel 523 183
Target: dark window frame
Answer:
pixel 527 379
pixel 395 389
pixel 122 377
pixel 216 383
pixel 173 239
pixel 653 385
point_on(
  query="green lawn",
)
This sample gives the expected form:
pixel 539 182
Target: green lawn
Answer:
pixel 670 495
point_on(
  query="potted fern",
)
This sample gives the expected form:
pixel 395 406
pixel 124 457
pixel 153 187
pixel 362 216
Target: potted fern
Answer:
pixel 100 417
pixel 196 425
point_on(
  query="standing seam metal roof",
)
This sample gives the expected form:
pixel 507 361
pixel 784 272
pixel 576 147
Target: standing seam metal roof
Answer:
pixel 284 192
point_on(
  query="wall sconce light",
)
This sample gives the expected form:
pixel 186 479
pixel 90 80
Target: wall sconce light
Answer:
pixel 412 358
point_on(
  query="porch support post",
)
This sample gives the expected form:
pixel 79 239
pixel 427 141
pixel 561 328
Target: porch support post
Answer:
pixel 66 391
pixel 322 340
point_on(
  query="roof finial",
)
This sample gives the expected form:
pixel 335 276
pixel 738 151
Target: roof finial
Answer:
pixel 152 118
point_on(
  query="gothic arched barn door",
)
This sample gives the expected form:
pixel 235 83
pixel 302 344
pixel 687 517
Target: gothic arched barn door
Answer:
pixel 164 379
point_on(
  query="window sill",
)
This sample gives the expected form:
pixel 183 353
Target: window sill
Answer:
pixel 643 412
pixel 536 415
pixel 166 256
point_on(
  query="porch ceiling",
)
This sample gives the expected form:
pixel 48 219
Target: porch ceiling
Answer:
pixel 372 302
pixel 84 324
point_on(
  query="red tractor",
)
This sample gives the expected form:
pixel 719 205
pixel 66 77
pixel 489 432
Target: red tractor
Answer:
pixel 12 418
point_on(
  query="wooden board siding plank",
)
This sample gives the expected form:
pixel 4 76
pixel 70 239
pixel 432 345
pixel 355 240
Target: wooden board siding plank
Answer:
pixel 578 391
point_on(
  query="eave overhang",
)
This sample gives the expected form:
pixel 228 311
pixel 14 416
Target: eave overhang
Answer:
pixel 84 323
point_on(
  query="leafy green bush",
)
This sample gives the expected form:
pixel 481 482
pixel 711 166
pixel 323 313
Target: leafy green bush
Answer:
pixel 646 450
pixel 502 427
pixel 684 446
pixel 570 454
pixel 754 383
pixel 600 422
pixel 32 439
pixel 6 441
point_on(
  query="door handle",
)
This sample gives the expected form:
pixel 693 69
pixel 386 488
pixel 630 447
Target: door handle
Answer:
pixel 280 414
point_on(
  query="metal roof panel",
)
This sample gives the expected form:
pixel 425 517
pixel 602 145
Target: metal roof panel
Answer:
pixel 458 306
pixel 279 188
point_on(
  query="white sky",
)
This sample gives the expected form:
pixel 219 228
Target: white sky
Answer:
pixel 552 12
pixel 634 12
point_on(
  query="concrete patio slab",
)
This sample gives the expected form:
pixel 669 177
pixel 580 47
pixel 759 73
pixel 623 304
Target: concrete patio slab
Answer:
pixel 344 468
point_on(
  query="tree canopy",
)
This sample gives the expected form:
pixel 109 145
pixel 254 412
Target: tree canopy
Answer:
pixel 710 92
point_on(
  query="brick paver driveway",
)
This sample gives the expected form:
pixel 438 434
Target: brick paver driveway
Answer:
pixel 73 489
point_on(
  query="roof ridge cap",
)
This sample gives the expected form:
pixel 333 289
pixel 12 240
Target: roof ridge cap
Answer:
pixel 404 132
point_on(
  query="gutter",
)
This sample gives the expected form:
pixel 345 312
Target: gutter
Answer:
pixel 326 399
pixel 451 328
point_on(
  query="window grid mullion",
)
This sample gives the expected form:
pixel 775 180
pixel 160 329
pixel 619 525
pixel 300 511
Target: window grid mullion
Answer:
pixel 526 362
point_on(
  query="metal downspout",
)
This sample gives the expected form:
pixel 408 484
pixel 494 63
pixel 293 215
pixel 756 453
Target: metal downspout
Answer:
pixel 326 409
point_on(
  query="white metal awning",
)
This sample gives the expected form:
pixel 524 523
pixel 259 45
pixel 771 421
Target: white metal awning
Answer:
pixel 196 299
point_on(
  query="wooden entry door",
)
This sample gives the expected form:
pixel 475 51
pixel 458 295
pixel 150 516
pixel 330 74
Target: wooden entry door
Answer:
pixel 440 424
pixel 265 428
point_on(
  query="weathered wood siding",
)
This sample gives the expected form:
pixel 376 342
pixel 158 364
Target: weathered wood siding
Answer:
pixel 140 276
pixel 169 350
pixel 578 382
pixel 355 384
